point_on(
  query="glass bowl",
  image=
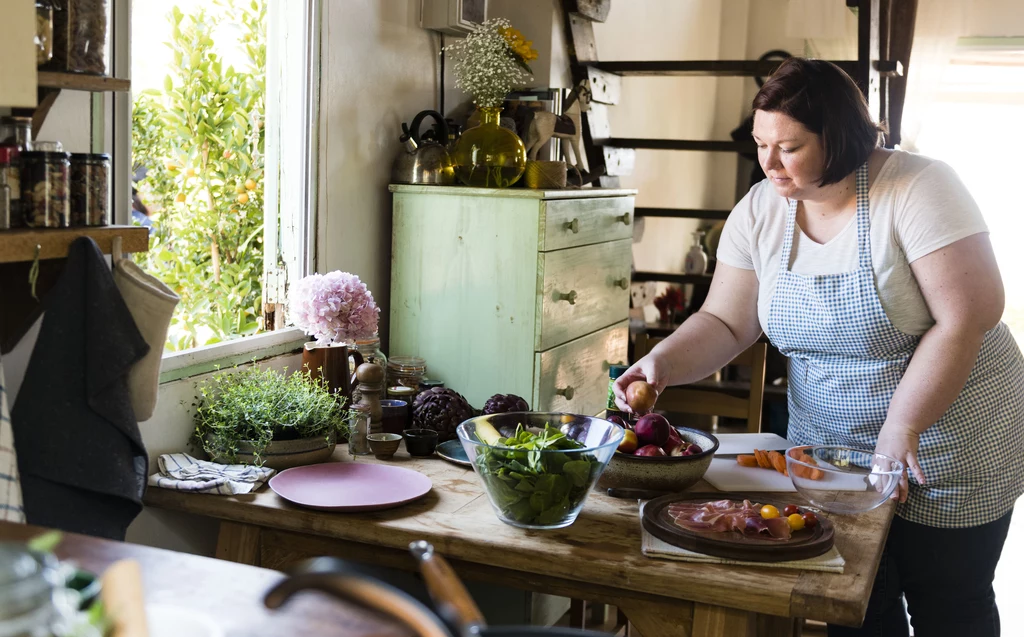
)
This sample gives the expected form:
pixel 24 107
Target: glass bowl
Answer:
pixel 843 479
pixel 541 488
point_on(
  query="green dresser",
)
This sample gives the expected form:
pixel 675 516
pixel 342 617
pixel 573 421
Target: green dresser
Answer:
pixel 513 291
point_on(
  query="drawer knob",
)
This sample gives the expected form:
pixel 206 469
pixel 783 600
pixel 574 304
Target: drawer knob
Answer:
pixel 573 226
pixel 568 392
pixel 569 296
pixel 623 283
pixel 624 218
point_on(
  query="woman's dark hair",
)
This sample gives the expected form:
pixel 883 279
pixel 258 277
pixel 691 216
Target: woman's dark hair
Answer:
pixel 827 101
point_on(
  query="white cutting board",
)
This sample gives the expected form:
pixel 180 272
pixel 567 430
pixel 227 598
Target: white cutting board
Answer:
pixel 746 443
pixel 725 474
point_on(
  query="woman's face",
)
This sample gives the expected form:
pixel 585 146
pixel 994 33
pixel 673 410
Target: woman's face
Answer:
pixel 790 155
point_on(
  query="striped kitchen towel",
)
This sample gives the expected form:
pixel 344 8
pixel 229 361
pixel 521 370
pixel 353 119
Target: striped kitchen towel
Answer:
pixel 182 472
pixel 11 509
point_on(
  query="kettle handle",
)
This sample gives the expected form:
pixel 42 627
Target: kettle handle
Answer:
pixel 414 127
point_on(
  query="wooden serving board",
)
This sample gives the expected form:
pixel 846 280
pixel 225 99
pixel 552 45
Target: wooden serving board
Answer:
pixel 804 544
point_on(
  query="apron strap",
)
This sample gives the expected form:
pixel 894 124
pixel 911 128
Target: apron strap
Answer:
pixel 787 239
pixel 863 218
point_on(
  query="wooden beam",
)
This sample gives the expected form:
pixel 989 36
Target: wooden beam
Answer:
pixel 605 88
pixel 583 48
pixel 704 68
pixel 593 10
pixel 81 82
pixel 682 213
pixel 683 144
pixel 901 40
pixel 20 245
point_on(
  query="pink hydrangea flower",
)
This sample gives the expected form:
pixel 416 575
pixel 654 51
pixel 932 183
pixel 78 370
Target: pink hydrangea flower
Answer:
pixel 335 308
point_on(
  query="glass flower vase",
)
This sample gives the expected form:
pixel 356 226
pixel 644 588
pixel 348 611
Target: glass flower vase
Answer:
pixel 489 156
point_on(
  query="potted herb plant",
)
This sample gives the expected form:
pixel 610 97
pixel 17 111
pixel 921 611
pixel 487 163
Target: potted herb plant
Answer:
pixel 265 417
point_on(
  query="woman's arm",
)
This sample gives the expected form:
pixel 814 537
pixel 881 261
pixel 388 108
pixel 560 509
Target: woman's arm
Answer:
pixel 964 293
pixel 726 325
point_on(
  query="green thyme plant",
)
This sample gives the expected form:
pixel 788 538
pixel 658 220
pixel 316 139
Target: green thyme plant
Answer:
pixel 260 405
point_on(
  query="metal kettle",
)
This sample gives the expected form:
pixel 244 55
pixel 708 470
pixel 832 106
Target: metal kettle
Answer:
pixel 423 162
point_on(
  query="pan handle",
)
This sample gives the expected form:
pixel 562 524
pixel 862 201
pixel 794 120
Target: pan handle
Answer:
pixel 450 596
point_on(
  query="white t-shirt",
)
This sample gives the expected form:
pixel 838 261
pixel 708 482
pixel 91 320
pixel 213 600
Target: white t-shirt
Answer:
pixel 918 205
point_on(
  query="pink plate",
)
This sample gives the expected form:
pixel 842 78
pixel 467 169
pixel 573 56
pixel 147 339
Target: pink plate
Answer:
pixel 350 486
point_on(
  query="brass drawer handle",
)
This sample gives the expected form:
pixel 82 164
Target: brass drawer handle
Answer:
pixel 568 392
pixel 572 226
pixel 569 296
pixel 624 218
pixel 622 283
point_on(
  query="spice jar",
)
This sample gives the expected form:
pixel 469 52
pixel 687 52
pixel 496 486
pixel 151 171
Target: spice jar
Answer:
pixel 10 197
pixel 44 189
pixel 407 371
pixel 81 36
pixel 89 180
pixel 44 32
pixel 360 426
pixel 16 131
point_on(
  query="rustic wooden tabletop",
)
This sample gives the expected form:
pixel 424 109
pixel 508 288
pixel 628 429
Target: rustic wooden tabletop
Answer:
pixel 597 558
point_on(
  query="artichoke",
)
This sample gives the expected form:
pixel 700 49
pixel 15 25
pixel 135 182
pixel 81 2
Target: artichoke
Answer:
pixel 442 410
pixel 504 403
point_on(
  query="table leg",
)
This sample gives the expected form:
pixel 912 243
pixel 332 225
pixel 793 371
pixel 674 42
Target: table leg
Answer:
pixel 239 543
pixel 657 619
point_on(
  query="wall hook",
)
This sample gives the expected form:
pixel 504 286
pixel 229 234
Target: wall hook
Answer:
pixel 33 272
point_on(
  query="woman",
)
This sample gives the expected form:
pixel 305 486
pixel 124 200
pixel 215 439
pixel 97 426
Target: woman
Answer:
pixel 872 271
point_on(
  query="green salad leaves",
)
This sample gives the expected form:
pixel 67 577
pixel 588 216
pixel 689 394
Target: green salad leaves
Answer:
pixel 531 487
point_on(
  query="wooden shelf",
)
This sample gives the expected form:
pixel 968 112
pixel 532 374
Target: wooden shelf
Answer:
pixel 80 82
pixel 681 144
pixel 702 68
pixel 20 245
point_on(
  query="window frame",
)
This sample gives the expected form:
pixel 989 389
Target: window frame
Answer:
pixel 302 227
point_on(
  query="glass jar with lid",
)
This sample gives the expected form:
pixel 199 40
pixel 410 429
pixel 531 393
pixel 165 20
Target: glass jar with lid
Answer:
pixel 81 37
pixel 407 371
pixel 10 188
pixel 44 189
pixel 89 185
pixel 27 606
pixel 16 131
pixel 44 32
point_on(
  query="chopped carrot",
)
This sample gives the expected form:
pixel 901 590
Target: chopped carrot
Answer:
pixel 778 462
pixel 747 461
pixel 762 459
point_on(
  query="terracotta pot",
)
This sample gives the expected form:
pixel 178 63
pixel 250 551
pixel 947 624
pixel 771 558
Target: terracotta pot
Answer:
pixel 284 454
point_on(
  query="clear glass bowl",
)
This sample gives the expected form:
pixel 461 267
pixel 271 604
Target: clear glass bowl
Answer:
pixel 540 489
pixel 843 479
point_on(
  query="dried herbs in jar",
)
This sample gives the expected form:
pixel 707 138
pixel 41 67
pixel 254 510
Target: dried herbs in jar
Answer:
pixel 89 181
pixel 81 36
pixel 44 189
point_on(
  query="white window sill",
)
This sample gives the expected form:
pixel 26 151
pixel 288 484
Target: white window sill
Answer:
pixel 202 360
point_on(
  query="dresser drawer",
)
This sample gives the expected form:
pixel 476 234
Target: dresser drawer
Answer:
pixel 568 223
pixel 574 377
pixel 581 290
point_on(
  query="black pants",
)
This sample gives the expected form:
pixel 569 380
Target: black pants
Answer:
pixel 946 575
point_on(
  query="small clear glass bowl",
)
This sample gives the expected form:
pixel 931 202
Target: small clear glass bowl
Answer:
pixel 517 499
pixel 843 479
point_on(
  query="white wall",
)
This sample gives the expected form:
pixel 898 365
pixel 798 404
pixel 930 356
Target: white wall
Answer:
pixel 995 18
pixel 379 70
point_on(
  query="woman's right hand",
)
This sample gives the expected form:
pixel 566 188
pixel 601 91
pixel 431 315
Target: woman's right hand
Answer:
pixel 651 368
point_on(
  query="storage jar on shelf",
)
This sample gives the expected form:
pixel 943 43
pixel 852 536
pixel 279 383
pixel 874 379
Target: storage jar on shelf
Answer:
pixel 81 37
pixel 44 32
pixel 407 371
pixel 89 184
pixel 44 189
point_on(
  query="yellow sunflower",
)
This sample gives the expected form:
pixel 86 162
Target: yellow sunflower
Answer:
pixel 520 46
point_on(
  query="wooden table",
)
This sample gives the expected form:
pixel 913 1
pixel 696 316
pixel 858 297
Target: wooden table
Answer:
pixel 597 558
pixel 229 595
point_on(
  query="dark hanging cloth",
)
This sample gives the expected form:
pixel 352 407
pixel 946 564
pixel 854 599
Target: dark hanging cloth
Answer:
pixel 82 462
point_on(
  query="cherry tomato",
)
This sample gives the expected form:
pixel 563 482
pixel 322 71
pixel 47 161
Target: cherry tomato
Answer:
pixel 768 512
pixel 796 521
pixel 790 510
pixel 810 520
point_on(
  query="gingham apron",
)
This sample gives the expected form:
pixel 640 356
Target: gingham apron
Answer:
pixel 846 360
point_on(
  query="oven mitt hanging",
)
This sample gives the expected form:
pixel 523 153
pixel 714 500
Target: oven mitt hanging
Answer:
pixel 151 304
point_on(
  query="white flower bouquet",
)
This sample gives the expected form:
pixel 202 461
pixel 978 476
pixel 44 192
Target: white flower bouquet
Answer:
pixel 492 61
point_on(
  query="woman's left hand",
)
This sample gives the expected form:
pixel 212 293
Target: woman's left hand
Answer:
pixel 900 442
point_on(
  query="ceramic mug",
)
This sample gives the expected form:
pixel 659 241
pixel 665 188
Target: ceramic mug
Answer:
pixel 395 415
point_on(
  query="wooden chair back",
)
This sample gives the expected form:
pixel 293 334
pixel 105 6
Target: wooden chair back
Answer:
pixel 717 398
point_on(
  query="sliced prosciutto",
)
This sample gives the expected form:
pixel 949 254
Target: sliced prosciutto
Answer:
pixel 726 515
